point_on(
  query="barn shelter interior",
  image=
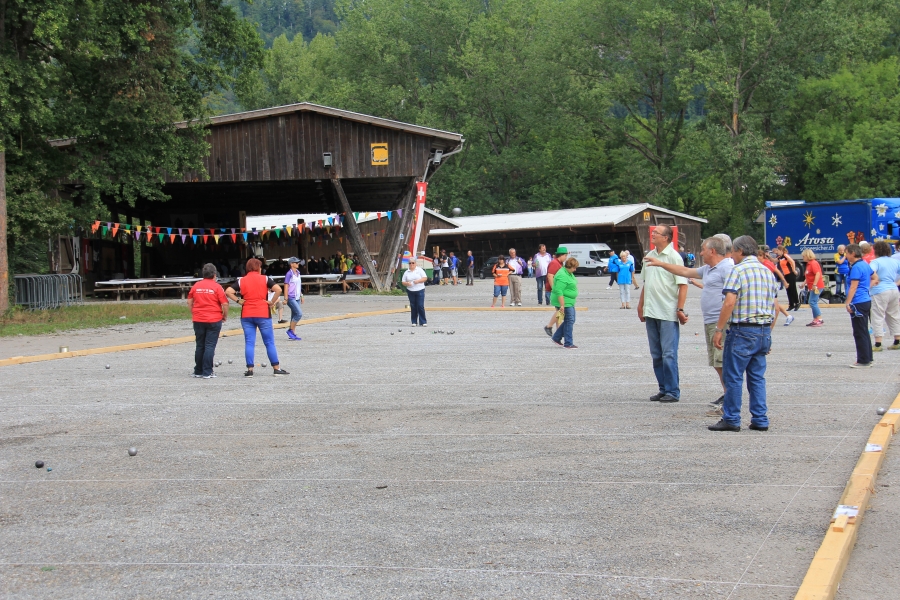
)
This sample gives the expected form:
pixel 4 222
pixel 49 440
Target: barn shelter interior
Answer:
pixel 622 227
pixel 300 158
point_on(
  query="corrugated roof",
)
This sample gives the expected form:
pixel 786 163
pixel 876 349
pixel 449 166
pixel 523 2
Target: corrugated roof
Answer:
pixel 548 219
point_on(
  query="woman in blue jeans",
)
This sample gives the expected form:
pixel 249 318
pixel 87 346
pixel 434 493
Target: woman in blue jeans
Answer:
pixel 414 279
pixel 256 313
pixel 563 295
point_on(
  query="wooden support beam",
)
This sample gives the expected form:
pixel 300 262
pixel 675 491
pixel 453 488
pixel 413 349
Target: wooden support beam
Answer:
pixel 392 244
pixel 356 238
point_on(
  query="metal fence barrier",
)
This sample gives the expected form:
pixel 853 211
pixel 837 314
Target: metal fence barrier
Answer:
pixel 40 292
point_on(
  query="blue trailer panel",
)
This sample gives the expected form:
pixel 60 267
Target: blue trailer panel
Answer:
pixel 823 226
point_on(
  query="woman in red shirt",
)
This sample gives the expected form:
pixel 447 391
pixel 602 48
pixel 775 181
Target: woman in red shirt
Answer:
pixel 256 313
pixel 815 282
pixel 501 281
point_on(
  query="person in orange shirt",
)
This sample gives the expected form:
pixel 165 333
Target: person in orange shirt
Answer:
pixel 763 257
pixel 789 269
pixel 501 281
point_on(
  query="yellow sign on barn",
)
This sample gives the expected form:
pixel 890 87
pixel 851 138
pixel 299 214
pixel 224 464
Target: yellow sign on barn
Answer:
pixel 379 154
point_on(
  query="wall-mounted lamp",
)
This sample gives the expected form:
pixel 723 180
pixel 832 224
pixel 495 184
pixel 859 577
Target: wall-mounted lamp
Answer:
pixel 437 156
pixel 326 159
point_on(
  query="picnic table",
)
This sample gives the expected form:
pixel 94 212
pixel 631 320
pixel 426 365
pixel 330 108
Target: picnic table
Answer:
pixel 359 282
pixel 136 287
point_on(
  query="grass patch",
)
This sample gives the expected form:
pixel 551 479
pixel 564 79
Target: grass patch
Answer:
pixel 373 292
pixel 35 322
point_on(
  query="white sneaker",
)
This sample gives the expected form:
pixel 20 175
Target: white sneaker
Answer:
pixel 789 320
pixel 519 304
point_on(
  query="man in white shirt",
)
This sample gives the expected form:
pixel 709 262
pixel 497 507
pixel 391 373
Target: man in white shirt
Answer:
pixel 540 262
pixel 413 280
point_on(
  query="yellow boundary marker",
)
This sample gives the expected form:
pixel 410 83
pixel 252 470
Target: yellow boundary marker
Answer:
pixel 828 565
pixel 20 360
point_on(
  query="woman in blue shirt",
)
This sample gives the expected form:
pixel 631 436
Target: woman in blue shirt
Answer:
pixel 859 305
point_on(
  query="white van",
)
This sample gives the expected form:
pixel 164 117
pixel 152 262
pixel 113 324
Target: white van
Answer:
pixel 593 259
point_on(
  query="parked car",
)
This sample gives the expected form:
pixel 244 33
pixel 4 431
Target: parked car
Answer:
pixel 593 259
pixel 487 267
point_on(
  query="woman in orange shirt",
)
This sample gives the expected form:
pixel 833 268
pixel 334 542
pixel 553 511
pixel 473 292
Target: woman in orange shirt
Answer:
pixel 788 268
pixel 501 281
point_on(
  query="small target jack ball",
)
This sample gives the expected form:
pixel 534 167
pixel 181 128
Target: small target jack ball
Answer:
pixel 881 411
pixel 107 366
pixel 132 452
pixel 828 354
pixel 39 464
pixel 230 361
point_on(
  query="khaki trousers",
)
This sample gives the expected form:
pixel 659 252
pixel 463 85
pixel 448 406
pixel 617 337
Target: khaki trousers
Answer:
pixel 515 289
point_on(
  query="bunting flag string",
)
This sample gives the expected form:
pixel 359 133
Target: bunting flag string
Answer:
pixel 319 230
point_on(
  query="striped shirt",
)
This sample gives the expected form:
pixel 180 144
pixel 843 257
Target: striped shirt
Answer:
pixel 755 288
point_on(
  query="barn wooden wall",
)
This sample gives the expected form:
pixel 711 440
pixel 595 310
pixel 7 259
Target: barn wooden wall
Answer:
pixel 290 147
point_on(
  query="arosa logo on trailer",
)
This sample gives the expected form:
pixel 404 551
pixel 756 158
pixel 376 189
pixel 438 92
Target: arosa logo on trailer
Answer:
pixel 807 240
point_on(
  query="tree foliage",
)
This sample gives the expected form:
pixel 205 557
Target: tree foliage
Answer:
pixel 115 76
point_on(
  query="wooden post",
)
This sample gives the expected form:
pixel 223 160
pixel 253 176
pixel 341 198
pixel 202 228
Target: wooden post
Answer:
pixel 356 239
pixel 391 244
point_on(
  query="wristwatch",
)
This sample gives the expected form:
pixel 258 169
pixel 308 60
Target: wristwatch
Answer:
pixel 681 310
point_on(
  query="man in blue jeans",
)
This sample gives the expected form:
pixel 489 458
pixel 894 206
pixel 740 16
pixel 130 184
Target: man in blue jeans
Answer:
pixel 749 312
pixel 661 309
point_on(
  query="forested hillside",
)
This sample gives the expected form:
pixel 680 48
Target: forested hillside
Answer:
pixel 705 107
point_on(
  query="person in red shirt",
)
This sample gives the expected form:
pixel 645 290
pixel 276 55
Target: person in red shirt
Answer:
pixel 815 283
pixel 868 251
pixel 555 265
pixel 256 313
pixel 209 310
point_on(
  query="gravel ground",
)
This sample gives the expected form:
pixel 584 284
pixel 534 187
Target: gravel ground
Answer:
pixel 488 463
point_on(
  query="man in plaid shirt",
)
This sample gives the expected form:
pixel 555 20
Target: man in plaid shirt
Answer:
pixel 749 312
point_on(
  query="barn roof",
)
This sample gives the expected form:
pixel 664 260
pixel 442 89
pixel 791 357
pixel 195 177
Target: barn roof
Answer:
pixel 548 219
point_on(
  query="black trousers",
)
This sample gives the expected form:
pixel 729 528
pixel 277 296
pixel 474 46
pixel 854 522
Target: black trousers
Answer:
pixel 860 321
pixel 207 336
pixel 793 297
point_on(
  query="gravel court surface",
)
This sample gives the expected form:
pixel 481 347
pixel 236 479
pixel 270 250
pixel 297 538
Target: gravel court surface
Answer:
pixel 513 468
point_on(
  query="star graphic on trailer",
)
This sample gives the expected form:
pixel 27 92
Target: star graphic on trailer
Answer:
pixel 874 233
pixel 808 219
pixel 836 220
pixel 881 209
pixel 773 220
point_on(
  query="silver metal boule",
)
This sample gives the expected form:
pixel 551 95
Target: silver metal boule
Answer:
pixel 265 364
pixel 132 452
pixel 107 366
pixel 880 411
pixel 828 354
pixel 230 361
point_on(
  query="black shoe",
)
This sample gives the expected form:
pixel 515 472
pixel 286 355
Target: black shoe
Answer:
pixel 668 398
pixel 548 331
pixel 278 372
pixel 723 426
pixel 557 343
pixel 656 397
pixel 248 373
pixel 758 427
pixel 720 401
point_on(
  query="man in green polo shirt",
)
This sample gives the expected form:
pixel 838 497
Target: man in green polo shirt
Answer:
pixel 661 309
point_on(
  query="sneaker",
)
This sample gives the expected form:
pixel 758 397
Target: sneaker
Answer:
pixel 758 427
pixel 877 348
pixel 210 376
pixel 609 287
pixel 557 343
pixel 548 331
pixel 197 375
pixel 719 401
pixel 656 397
pixel 248 373
pixel 572 347
pixel 894 347
pixel 668 398
pixel 861 366
pixel 519 304
pixel 716 412
pixel 278 372
pixel 291 335
pixel 789 320
pixel 282 321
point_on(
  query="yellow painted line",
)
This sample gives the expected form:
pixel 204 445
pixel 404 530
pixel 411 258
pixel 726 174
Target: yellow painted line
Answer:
pixel 20 360
pixel 828 565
